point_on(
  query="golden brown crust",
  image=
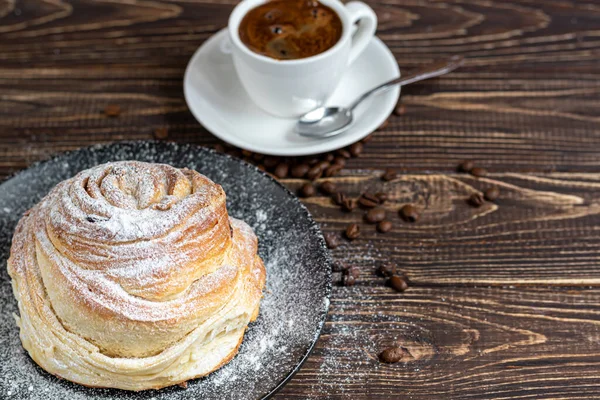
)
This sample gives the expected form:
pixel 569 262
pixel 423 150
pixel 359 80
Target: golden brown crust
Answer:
pixel 124 273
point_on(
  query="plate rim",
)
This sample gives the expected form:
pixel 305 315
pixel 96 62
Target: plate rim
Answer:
pixel 196 147
pixel 289 152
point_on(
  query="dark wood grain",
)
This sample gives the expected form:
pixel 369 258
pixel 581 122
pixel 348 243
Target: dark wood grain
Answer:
pixel 503 299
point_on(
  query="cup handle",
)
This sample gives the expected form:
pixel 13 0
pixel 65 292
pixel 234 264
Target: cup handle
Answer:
pixel 367 25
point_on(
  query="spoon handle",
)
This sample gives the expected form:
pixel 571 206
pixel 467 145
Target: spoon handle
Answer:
pixel 429 71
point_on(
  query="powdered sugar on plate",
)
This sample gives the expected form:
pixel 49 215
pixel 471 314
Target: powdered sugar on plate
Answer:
pixel 292 311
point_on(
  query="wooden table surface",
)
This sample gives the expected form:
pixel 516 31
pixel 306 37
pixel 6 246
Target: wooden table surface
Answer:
pixel 504 299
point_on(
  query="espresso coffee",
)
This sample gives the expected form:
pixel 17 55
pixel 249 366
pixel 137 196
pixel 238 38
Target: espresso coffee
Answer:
pixel 290 29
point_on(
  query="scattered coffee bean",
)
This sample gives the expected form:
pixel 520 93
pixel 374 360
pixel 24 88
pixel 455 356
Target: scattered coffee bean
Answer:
pixel 348 280
pixel 398 283
pixel 349 205
pixel 328 187
pixel 356 149
pixel 314 173
pixel 329 157
pixel 368 138
pixel 389 175
pixel 384 226
pixel 258 157
pixel 409 213
pixel 343 153
pixel 332 240
pixel 391 355
pixel 112 110
pixel 476 200
pixel 352 231
pixel 261 167
pixel 247 153
pixel 354 271
pixel 271 162
pixel 368 200
pixel 466 166
pixel 333 170
pixel 387 270
pixel 323 165
pixel 234 153
pixel 492 193
pixel 339 267
pixel 339 161
pixel 161 133
pixel 281 171
pixel 339 198
pixel 375 215
pixel 384 125
pixel 299 170
pixel 400 110
pixel 312 161
pixel 478 171
pixel 307 190
pixel 382 197
pixel 219 148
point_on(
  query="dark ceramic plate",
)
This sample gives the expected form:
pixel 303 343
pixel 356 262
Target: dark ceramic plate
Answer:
pixel 292 311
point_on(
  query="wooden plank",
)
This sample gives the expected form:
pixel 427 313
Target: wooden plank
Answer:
pixel 460 343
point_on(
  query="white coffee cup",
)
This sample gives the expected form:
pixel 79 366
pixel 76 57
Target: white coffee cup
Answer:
pixel 290 88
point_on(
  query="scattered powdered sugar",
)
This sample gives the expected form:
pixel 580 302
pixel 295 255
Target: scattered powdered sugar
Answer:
pixel 295 299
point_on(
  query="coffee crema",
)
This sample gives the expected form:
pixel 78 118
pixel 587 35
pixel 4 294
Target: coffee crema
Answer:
pixel 290 29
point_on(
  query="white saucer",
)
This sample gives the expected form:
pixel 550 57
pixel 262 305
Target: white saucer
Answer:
pixel 218 101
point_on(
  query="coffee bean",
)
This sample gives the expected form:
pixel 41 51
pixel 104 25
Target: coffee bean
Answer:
pixel 478 172
pixel 333 170
pixel 348 205
pixel 367 139
pixel 348 280
pixel 328 157
pixel 328 187
pixel 387 270
pixel 409 213
pixel 339 198
pixel 341 161
pixel 354 271
pixel 219 148
pixel 247 153
pixel 356 149
pixel 299 170
pixel 271 162
pixel 382 197
pixel 323 165
pixel 261 167
pixel 492 193
pixel 384 125
pixel 161 133
pixel 258 157
pixel 112 110
pixel 398 283
pixel 384 226
pixel 391 355
pixel 332 240
pixel 352 231
pixel 281 171
pixel 368 200
pixel 307 190
pixel 343 153
pixel 312 161
pixel 314 173
pixel 400 110
pixel 339 267
pixel 389 175
pixel 375 215
pixel 234 153
pixel 476 200
pixel 466 166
